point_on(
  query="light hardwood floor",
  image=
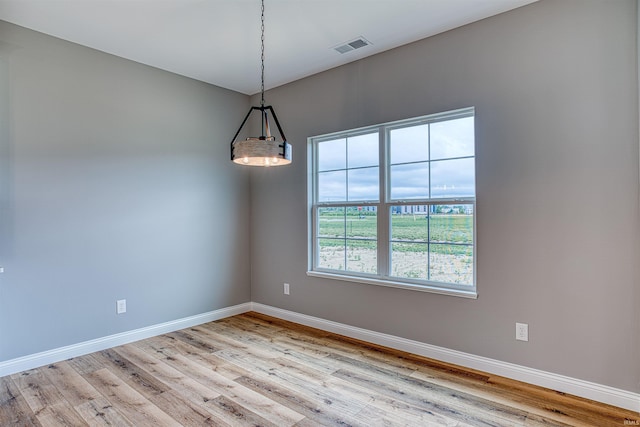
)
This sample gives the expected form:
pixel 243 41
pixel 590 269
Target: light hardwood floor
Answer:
pixel 256 370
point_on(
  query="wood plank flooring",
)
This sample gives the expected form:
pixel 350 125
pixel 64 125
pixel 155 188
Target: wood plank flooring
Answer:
pixel 255 370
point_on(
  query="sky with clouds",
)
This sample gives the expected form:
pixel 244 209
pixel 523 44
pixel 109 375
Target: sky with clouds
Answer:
pixel 429 160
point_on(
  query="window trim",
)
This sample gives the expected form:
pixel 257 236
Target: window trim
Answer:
pixel 471 294
pixel 384 206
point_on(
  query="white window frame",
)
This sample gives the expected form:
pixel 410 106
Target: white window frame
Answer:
pixel 384 206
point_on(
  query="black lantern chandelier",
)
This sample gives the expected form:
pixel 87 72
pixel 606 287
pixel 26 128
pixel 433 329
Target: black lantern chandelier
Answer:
pixel 263 150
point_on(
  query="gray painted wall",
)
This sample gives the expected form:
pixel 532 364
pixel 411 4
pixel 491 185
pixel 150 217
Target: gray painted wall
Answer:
pixel 555 90
pixel 115 182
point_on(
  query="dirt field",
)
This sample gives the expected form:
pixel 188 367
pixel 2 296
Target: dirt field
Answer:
pixel 444 268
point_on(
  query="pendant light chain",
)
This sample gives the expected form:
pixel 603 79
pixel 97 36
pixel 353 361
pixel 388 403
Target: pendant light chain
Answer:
pixel 262 55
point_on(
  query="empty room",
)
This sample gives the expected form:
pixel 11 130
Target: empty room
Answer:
pixel 319 212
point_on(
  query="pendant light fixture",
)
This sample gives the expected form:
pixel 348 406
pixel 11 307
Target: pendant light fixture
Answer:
pixel 263 150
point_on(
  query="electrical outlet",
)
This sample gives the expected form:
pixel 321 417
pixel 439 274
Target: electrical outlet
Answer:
pixel 121 306
pixel 522 332
pixel 286 289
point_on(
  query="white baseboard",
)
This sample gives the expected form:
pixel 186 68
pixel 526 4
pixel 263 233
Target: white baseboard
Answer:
pixel 576 387
pixel 63 353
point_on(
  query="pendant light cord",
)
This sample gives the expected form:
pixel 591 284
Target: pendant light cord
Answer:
pixel 262 55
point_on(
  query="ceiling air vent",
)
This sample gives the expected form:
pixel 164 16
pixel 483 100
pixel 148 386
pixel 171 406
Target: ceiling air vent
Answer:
pixel 352 45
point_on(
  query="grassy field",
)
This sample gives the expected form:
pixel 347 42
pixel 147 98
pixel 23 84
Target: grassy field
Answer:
pixel 409 228
pixel 436 248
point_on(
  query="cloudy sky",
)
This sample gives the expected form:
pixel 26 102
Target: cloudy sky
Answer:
pixel 430 160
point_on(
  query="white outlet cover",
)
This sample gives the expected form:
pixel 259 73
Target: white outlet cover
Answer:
pixel 522 332
pixel 121 306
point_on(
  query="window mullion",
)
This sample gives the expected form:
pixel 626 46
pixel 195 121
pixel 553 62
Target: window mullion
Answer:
pixel 383 208
pixel 429 208
pixel 429 242
pixel 344 220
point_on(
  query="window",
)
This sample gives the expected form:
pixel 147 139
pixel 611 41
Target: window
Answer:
pixel 394 204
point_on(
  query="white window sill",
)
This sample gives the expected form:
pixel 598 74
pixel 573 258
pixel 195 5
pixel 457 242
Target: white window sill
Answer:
pixel 394 284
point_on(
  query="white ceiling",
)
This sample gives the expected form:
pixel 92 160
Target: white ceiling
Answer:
pixel 218 41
